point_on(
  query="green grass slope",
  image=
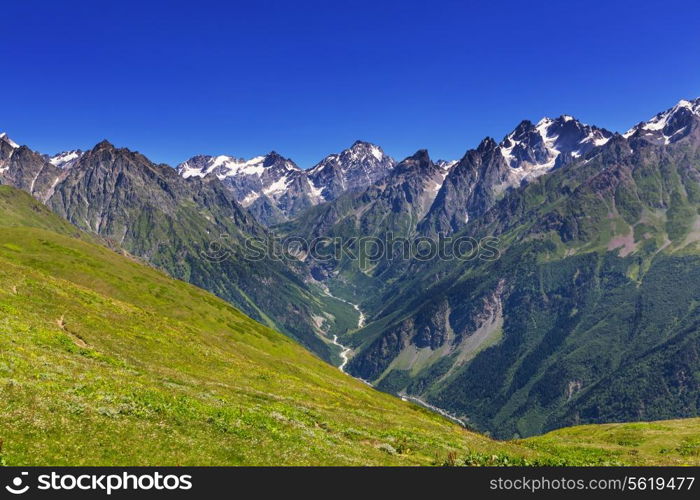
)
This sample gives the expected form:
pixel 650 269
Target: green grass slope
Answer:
pixel 667 442
pixel 105 361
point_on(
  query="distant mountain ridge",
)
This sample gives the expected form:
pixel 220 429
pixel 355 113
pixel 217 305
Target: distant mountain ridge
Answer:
pixel 275 189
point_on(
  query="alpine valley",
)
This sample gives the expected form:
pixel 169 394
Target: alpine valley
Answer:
pixel 586 311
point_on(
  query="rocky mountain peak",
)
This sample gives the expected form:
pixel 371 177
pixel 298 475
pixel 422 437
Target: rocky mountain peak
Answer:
pixel 273 156
pixel 416 164
pixel 6 139
pixel 361 155
pixel 355 168
pixel 669 126
pixel 367 149
pixel 534 149
pixel 420 157
pixel 486 145
pixel 104 145
pixel 274 159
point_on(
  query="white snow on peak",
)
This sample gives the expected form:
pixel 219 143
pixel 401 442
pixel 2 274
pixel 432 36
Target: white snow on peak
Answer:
pixel 446 165
pixel 660 121
pixel 361 151
pixel 543 127
pixel 596 138
pixel 225 166
pixel 316 192
pixel 531 170
pixel 250 179
pixel 9 141
pixel 277 187
pixel 376 152
pixel 547 128
pixel 188 171
pixel 507 152
pixel 62 159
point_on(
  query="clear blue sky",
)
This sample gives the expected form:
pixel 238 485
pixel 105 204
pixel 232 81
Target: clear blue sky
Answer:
pixel 174 79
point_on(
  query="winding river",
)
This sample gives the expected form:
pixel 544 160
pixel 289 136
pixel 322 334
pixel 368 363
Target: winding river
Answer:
pixel 345 350
pixel 345 357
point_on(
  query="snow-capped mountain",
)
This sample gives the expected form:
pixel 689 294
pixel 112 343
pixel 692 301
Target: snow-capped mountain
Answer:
pixel 668 126
pixel 474 183
pixel 248 179
pixel 65 159
pixel 222 166
pixel 355 168
pixel 274 188
pixel 534 149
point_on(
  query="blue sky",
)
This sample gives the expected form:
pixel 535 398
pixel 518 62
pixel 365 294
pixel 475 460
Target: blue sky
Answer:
pixel 174 79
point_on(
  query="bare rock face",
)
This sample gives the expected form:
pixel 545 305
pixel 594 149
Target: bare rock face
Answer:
pixel 354 169
pixel 24 169
pixel 531 150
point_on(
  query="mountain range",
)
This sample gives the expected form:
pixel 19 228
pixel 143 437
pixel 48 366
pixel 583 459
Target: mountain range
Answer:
pixel 588 315
pixel 174 224
pixel 274 188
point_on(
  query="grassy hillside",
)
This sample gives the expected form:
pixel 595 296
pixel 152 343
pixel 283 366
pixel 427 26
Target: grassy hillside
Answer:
pixel 667 442
pixel 105 361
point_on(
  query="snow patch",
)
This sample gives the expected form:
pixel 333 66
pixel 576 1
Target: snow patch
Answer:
pixel 224 166
pixel 250 198
pixel 435 186
pixel 277 187
pixel 9 141
pixel 230 167
pixel 447 165
pixel 62 159
pixel 316 193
